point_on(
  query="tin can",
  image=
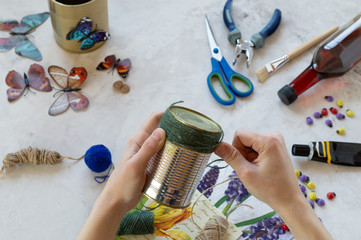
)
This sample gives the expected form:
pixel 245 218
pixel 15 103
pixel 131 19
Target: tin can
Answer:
pixel 66 14
pixel 174 172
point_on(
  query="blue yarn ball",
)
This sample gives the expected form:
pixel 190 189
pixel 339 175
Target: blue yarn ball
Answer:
pixel 98 158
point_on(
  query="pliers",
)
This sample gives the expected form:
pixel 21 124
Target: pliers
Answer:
pixel 257 40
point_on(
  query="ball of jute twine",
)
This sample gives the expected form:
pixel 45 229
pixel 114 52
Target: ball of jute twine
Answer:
pixel 217 226
pixel 34 156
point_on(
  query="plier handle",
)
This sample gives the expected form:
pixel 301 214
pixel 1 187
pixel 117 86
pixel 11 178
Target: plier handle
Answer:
pixel 257 39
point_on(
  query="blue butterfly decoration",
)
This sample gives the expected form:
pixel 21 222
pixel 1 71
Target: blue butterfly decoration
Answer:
pixel 87 37
pixel 18 32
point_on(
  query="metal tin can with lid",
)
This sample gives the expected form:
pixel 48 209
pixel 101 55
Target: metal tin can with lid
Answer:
pixel 174 172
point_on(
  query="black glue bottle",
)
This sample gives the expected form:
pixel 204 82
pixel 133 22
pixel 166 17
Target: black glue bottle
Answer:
pixel 333 58
pixel 340 153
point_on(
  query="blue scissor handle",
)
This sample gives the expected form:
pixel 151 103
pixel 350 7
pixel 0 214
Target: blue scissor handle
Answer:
pixel 220 68
pixel 232 76
pixel 216 75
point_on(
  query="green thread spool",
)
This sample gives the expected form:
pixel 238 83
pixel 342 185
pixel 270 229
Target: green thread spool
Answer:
pixel 137 223
pixel 174 172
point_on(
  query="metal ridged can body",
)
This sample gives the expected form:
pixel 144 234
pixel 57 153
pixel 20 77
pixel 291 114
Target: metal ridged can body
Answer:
pixel 65 17
pixel 173 174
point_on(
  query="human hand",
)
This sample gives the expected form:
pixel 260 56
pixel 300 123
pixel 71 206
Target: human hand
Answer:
pixel 124 187
pixel 127 181
pixel 262 163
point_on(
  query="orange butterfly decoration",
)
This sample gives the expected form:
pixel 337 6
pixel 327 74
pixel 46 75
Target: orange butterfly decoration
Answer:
pixel 112 63
pixel 70 93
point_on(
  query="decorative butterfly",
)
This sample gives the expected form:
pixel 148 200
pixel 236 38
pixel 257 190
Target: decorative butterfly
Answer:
pixel 111 62
pixel 18 32
pixel 35 79
pixel 87 37
pixel 70 93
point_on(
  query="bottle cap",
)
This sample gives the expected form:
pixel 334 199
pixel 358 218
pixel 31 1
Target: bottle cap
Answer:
pixel 287 94
pixel 301 150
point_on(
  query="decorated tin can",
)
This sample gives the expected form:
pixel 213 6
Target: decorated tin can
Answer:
pixel 79 25
pixel 174 172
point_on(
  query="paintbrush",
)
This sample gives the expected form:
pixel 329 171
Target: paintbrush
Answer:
pixel 264 72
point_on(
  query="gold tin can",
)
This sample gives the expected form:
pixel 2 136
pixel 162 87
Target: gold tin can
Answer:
pixel 174 172
pixel 66 14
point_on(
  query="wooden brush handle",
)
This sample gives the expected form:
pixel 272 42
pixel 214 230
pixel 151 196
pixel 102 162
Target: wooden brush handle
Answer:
pixel 311 43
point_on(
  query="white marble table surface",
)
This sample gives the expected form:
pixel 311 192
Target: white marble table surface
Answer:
pixel 167 44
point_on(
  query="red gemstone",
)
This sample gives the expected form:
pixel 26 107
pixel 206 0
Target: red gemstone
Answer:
pixel 324 112
pixel 331 195
pixel 284 227
pixel 333 110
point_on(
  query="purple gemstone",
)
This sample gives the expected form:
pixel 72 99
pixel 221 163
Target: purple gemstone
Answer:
pixel 317 115
pixel 311 203
pixel 320 202
pixel 309 121
pixel 340 116
pixel 328 123
pixel 329 98
pixel 304 178
pixel 302 187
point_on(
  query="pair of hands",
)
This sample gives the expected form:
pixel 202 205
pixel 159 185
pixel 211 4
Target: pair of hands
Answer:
pixel 261 161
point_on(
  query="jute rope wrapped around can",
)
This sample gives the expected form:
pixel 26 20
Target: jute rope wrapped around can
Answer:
pixel 174 172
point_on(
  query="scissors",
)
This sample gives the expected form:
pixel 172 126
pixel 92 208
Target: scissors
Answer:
pixel 222 72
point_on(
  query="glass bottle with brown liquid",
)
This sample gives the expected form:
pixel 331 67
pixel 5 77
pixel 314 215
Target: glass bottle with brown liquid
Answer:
pixel 333 58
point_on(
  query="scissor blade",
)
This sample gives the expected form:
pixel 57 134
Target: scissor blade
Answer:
pixel 215 51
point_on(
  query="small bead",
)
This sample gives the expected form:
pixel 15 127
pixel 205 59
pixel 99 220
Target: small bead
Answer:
pixel 324 112
pixel 304 178
pixel 333 110
pixel 339 103
pixel 329 98
pixel 349 113
pixel 298 173
pixel 311 203
pixel 284 227
pixel 312 195
pixel 320 202
pixel 309 121
pixel 340 116
pixel 305 194
pixel 117 85
pixel 341 131
pixel 331 195
pixel 317 115
pixel 302 187
pixel 310 185
pixel 125 88
pixel 329 123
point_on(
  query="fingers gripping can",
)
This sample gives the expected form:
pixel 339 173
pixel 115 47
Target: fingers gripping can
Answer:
pixel 175 171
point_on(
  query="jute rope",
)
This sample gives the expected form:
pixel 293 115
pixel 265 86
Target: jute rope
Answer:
pixel 33 156
pixel 216 227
